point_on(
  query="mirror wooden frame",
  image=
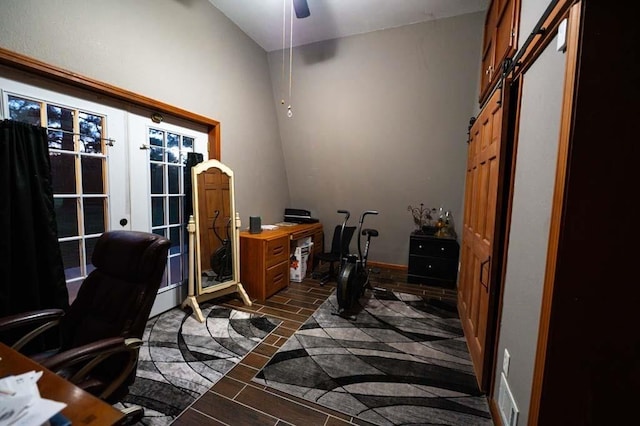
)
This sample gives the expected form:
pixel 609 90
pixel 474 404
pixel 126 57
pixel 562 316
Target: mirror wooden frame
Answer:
pixel 198 293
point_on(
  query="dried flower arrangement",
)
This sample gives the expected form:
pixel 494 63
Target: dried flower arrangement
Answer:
pixel 422 216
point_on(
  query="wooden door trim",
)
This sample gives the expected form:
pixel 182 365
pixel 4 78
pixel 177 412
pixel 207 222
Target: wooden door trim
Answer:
pixel 34 66
pixel 573 30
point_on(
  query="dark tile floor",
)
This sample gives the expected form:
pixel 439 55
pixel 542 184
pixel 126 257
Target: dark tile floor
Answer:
pixel 236 400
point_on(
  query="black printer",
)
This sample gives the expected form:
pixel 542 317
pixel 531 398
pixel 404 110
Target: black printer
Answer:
pixel 298 216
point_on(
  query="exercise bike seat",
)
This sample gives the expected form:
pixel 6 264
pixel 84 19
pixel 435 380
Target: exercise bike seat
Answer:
pixel 371 232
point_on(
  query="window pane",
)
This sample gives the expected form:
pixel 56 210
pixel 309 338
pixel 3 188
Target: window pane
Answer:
pixel 157 178
pixel 174 237
pixel 159 232
pixel 71 259
pixel 176 277
pixel 187 143
pixel 24 110
pixel 156 137
pixel 173 148
pixel 90 243
pixel 174 210
pixel 155 154
pixel 59 118
pixel 174 179
pixel 60 140
pixel 63 173
pixel 94 215
pixel 92 175
pixel 157 211
pixel 66 216
pixel 90 133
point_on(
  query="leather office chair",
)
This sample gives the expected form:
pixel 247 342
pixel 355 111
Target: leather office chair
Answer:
pixel 100 334
pixel 334 255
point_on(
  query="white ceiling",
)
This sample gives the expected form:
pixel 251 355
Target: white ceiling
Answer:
pixel 262 20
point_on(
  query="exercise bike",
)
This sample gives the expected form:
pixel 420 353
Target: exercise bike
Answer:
pixel 221 258
pixel 353 277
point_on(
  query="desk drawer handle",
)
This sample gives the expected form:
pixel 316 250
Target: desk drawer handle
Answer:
pixel 278 278
pixel 485 285
pixel 278 250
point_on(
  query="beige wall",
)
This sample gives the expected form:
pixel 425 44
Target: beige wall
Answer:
pixel 380 122
pixel 380 119
pixel 182 52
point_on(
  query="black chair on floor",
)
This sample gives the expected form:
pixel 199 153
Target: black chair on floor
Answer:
pixel 334 255
pixel 100 334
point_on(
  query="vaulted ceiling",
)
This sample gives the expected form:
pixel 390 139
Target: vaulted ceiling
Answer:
pixel 264 20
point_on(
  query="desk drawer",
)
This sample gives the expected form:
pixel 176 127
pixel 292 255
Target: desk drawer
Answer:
pixel 276 278
pixel 277 250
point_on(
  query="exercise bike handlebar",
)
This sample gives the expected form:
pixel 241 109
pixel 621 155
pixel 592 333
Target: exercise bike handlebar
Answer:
pixel 367 212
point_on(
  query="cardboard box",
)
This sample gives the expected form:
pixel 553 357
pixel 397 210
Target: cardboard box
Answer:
pixel 299 260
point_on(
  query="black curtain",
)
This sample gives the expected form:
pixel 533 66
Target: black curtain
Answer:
pixel 31 268
pixel 193 158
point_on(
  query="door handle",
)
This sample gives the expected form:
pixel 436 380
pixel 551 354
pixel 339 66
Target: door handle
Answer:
pixel 485 285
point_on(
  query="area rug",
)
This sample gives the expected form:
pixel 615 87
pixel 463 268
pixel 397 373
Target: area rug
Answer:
pixel 402 360
pixel 182 358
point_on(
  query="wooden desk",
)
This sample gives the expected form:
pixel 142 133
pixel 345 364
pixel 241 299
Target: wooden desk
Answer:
pixel 82 407
pixel 264 257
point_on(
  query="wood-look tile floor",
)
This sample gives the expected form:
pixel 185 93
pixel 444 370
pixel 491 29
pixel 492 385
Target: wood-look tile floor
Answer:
pixel 236 400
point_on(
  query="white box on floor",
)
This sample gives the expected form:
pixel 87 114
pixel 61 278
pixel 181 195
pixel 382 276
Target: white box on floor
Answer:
pixel 299 259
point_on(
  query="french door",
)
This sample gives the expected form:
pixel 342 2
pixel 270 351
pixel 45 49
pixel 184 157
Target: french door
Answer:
pixel 157 155
pixel 112 169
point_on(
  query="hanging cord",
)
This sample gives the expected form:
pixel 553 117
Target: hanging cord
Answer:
pixel 289 111
pixel 284 26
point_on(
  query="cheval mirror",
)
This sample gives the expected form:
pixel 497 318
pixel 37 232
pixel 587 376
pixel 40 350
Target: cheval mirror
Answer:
pixel 214 255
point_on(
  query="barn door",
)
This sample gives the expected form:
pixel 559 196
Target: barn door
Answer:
pixel 476 286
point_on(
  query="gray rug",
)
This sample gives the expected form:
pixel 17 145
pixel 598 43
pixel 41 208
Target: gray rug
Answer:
pixel 182 358
pixel 402 361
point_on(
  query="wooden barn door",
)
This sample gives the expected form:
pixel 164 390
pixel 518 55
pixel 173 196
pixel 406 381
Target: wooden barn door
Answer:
pixel 475 287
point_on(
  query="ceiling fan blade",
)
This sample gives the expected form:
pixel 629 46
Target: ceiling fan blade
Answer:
pixel 302 8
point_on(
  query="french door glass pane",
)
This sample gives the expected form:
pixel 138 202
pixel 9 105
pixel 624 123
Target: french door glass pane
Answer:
pixel 157 178
pixel 90 133
pixel 157 211
pixel 92 175
pixel 71 259
pixel 94 215
pixel 63 171
pixel 25 110
pixel 174 210
pixel 174 179
pixel 60 118
pixel 66 216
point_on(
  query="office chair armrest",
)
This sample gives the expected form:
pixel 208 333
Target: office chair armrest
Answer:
pixel 89 356
pixel 39 321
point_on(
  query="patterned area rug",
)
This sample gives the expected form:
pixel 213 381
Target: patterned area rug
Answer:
pixel 182 358
pixel 402 361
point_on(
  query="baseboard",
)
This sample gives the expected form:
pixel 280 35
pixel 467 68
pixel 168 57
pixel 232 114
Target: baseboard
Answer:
pixel 388 265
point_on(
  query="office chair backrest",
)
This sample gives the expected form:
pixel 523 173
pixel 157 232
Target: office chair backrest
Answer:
pixel 117 296
pixel 346 239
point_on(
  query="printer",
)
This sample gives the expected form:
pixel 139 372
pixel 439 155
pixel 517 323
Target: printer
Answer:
pixel 298 216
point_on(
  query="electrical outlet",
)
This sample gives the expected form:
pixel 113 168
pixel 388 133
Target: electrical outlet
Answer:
pixel 505 362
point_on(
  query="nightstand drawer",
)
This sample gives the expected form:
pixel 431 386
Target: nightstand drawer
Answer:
pixel 277 250
pixel 434 247
pixel 435 267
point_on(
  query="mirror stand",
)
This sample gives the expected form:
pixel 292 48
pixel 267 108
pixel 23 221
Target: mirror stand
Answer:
pixel 221 290
pixel 214 266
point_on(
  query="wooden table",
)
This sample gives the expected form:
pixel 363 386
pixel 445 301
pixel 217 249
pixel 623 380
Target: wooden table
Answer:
pixel 82 407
